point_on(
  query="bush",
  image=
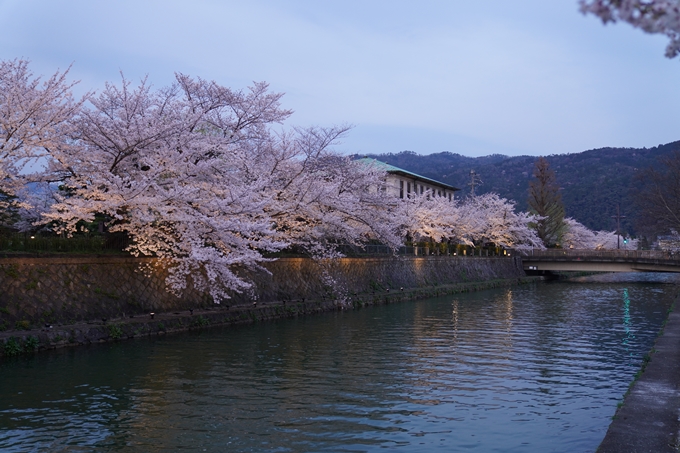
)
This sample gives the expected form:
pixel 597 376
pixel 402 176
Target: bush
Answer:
pixel 31 343
pixel 115 332
pixel 13 347
pixel 201 321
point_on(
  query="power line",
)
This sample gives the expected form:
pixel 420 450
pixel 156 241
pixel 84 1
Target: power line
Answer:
pixel 618 218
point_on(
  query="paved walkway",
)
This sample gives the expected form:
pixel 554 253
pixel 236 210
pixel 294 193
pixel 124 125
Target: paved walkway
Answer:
pixel 648 420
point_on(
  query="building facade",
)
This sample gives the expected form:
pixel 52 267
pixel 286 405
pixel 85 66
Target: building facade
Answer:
pixel 405 184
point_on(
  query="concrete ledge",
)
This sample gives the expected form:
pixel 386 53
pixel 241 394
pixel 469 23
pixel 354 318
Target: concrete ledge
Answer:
pixel 648 419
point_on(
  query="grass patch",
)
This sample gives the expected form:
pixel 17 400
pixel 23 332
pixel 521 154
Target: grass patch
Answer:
pixel 103 292
pixel 11 271
pixel 115 331
pixel 22 325
pixel 33 284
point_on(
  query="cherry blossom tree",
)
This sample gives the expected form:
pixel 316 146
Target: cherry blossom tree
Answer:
pixel 651 16
pixel 196 176
pixel 607 240
pixel 577 236
pixel 427 217
pixel 315 197
pixel 34 121
pixel 480 219
pixel 501 225
pixel 160 165
pixel 320 199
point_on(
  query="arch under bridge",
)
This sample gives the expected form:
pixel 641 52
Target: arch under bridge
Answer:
pixel 539 261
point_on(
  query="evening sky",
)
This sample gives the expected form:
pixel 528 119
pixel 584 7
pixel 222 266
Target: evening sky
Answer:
pixel 490 76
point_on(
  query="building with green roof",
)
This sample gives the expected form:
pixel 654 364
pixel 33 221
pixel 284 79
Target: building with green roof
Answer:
pixel 405 184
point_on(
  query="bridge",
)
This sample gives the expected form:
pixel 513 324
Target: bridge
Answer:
pixel 539 261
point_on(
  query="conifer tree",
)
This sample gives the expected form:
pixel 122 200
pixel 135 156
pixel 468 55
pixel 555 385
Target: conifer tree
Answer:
pixel 545 201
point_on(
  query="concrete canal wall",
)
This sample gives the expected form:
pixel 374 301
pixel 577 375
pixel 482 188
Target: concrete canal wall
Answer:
pixel 648 420
pixel 108 291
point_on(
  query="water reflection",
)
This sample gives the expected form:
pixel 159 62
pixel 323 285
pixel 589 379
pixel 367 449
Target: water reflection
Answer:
pixel 536 368
pixel 629 336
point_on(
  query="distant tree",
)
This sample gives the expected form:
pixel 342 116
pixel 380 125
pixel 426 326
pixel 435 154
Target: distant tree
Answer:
pixel 545 201
pixel 658 201
pixel 652 16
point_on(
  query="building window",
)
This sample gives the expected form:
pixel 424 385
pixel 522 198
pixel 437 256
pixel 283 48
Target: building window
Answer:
pixel 449 197
pixel 421 189
pixel 401 189
pixel 408 189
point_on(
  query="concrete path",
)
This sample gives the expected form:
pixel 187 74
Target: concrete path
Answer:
pixel 648 420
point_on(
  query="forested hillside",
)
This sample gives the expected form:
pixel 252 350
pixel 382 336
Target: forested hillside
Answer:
pixel 592 182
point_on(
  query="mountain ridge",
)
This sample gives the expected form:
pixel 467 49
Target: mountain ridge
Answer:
pixel 592 182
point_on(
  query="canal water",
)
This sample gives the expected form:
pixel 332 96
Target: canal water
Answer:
pixel 536 368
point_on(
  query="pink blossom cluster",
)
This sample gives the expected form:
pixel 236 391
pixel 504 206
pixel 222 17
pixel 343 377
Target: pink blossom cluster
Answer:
pixel 652 16
pixel 475 220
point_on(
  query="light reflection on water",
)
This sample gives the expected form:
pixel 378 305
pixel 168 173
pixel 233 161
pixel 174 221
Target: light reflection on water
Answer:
pixel 533 369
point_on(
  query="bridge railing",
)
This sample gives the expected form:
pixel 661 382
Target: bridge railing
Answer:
pixel 600 254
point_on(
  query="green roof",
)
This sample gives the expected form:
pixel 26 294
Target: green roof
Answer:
pixel 400 171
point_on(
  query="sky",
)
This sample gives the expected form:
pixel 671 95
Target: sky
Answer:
pixel 527 77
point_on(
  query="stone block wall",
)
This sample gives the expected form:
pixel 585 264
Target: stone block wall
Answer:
pixel 298 278
pixel 39 290
pixel 81 288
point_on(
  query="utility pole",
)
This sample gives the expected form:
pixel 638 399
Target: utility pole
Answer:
pixel 618 218
pixel 474 181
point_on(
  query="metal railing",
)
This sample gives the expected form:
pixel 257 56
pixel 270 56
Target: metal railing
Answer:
pixel 601 254
pixel 109 243
pixel 420 250
pixel 36 243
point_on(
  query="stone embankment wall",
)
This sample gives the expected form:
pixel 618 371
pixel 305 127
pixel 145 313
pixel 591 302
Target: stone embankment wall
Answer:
pixel 75 289
pixel 35 291
pixel 342 279
pixel 60 301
